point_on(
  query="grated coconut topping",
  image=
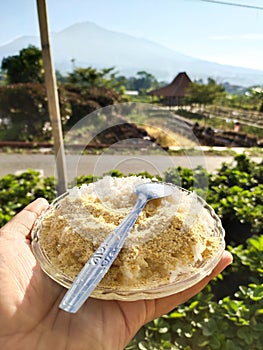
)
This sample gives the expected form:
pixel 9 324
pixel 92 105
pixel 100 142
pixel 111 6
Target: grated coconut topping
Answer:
pixel 171 236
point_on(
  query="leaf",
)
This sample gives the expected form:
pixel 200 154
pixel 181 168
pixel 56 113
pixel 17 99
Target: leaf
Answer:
pixel 257 243
pixel 215 343
pixel 245 333
pixel 259 312
pixel 209 327
pixel 176 314
pixel 193 305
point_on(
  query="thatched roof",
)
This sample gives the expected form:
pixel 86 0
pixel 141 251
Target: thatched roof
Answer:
pixel 176 88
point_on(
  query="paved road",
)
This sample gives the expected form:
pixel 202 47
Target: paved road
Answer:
pixel 99 165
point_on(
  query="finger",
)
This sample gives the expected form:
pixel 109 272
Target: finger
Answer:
pixel 166 304
pixel 24 220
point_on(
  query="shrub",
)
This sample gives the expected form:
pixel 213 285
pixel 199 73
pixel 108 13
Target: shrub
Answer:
pixel 233 323
pixel 227 314
pixel 25 107
pixel 16 191
pixel 235 192
pixel 85 101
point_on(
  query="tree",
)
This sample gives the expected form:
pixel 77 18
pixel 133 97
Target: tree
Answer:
pixel 145 81
pixel 142 82
pixel 204 93
pixel 83 78
pixel 27 67
pixel 255 97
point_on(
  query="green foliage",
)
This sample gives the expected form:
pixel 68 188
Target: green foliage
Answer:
pixel 227 314
pixel 23 103
pixel 179 176
pixel 27 67
pixel 232 323
pixel 147 175
pixel 16 191
pixel 250 99
pixel 114 173
pixel 87 90
pixel 141 82
pixel 190 179
pixel 25 107
pixel 90 77
pixel 204 93
pixel 84 179
pixel 249 260
pixel 235 192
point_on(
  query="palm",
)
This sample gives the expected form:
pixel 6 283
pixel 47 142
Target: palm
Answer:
pixel 30 317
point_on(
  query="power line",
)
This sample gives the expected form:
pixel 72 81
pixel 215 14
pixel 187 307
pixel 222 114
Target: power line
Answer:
pixel 234 4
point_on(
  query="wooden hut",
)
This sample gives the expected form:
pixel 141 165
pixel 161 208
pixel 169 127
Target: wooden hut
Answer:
pixel 173 93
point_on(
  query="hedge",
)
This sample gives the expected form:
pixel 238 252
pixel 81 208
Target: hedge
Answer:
pixel 227 314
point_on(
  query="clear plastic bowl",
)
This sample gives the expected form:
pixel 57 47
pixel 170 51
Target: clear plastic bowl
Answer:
pixel 183 281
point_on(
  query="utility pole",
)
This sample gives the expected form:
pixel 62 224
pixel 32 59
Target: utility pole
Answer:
pixel 52 96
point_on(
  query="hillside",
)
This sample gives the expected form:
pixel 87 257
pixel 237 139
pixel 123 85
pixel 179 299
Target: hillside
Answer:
pixel 91 45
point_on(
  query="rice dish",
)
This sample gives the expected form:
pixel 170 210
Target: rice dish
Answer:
pixel 172 237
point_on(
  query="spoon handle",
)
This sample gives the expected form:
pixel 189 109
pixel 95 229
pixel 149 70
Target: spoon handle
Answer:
pixel 100 262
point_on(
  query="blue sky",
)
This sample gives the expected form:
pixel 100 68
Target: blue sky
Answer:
pixel 205 29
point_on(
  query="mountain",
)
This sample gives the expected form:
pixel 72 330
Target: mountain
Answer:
pixel 86 44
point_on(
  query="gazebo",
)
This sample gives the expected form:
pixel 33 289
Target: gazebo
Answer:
pixel 173 93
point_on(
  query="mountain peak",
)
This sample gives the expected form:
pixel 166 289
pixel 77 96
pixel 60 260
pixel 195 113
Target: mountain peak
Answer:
pixel 92 45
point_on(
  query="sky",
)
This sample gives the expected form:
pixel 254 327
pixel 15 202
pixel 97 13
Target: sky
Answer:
pixel 215 31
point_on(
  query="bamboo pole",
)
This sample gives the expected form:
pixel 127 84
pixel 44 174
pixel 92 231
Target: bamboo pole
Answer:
pixel 52 96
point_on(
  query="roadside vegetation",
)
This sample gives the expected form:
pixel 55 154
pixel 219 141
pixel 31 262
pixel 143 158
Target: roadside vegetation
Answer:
pixel 228 314
pixel 23 104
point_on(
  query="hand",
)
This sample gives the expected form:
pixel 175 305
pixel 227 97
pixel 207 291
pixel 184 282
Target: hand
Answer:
pixel 29 315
